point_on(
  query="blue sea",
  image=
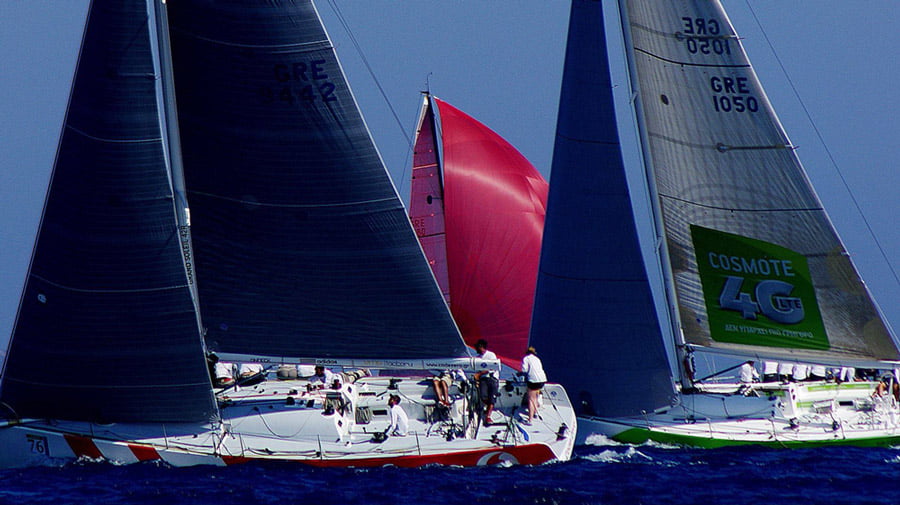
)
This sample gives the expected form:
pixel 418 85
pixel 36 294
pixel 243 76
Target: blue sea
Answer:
pixel 598 474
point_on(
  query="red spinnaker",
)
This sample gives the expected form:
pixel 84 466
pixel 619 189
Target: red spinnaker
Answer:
pixel 492 202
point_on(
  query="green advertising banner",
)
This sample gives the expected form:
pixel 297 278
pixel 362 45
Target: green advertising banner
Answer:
pixel 757 293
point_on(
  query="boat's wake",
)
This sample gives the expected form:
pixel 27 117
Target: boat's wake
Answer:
pixel 598 440
pixel 631 454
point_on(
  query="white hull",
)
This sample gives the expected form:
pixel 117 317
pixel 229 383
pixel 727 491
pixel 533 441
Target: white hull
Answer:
pixel 281 421
pixel 793 415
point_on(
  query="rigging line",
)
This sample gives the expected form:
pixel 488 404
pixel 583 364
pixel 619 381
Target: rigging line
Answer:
pixel 822 141
pixel 407 160
pixel 365 61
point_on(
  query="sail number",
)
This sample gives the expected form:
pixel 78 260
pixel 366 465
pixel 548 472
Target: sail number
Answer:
pixel 419 225
pixel 772 300
pixel 703 36
pixel 38 444
pixel 300 82
pixel 732 94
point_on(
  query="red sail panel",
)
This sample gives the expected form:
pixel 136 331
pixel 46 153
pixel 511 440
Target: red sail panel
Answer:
pixel 426 210
pixel 494 206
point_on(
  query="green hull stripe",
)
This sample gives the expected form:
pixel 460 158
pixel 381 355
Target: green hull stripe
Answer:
pixel 845 385
pixel 641 435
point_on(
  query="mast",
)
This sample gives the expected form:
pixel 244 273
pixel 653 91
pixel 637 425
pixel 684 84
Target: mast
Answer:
pixel 662 251
pixel 172 146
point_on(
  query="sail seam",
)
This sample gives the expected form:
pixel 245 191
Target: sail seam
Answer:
pixel 114 141
pixel 586 141
pixel 98 386
pixel 291 205
pixel 681 35
pixel 82 290
pixel 720 147
pixel 732 209
pixel 324 44
pixel 688 64
pixel 600 279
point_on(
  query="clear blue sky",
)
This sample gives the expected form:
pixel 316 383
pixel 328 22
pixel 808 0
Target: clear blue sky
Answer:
pixel 501 62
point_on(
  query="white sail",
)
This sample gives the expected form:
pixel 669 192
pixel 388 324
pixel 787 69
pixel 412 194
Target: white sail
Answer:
pixel 756 263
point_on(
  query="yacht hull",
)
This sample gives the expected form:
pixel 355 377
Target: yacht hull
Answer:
pixel 786 416
pixel 283 422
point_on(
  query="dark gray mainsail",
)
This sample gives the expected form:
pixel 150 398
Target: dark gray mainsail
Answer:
pixel 302 245
pixel 594 323
pixel 106 329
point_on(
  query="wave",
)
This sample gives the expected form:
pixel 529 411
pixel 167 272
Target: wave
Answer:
pixel 613 456
pixel 598 440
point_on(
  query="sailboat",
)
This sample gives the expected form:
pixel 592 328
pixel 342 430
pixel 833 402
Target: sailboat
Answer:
pixel 216 195
pixel 478 207
pixel 751 266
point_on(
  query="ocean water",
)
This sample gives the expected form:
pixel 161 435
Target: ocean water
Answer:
pixel 605 473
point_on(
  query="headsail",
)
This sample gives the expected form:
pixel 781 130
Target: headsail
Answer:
pixel 756 262
pixel 106 329
pixel 492 202
pixel 595 324
pixel 426 202
pixel 302 246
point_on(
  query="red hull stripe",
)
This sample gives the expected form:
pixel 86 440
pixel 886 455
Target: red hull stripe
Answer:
pixel 83 447
pixel 235 460
pixel 144 453
pixel 533 454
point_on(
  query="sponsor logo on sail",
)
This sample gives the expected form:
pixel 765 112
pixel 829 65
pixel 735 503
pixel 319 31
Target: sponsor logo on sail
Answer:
pixel 756 292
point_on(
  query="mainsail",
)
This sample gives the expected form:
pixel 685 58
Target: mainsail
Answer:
pixel 478 207
pixel 302 246
pixel 106 329
pixel 595 324
pixel 756 264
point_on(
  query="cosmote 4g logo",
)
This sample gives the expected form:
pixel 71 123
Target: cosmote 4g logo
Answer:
pixel 757 292
pixel 772 295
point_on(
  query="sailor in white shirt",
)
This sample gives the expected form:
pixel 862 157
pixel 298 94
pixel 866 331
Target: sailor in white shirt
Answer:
pixel 847 374
pixel 247 370
pixel 324 379
pixel 488 381
pixel 749 373
pixel 770 371
pixel 534 380
pixel 399 426
pixel 224 374
pixel 818 372
pixel 785 371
